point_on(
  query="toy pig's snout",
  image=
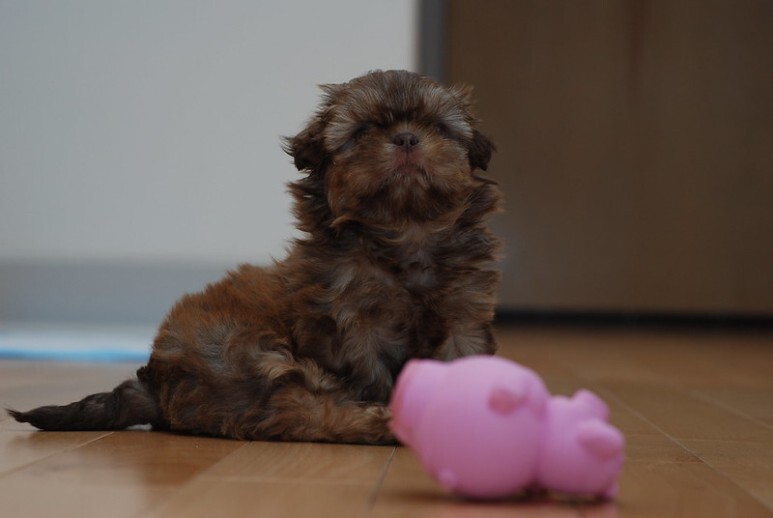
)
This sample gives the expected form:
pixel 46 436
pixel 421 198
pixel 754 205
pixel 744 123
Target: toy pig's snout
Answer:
pixel 414 388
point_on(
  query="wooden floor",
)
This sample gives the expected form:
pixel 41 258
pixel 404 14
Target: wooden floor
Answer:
pixel 696 408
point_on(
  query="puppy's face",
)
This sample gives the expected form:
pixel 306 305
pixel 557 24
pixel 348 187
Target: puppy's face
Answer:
pixel 392 146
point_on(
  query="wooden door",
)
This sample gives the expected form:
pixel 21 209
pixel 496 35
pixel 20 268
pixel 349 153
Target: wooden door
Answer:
pixel 635 149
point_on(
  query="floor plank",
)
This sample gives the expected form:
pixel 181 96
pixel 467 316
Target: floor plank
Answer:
pixel 678 414
pixel 748 464
pixel 208 498
pixel 304 462
pixel 682 489
pixel 130 469
pixel 408 491
pixel 753 403
pixel 20 445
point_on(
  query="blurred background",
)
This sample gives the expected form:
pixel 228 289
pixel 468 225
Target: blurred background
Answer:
pixel 140 149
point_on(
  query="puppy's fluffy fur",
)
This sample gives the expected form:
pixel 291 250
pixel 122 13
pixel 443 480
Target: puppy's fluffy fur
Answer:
pixel 396 263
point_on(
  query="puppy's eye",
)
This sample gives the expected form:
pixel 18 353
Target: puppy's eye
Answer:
pixel 443 129
pixel 354 137
pixel 361 131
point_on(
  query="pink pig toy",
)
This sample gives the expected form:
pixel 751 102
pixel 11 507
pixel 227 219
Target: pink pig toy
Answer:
pixel 486 427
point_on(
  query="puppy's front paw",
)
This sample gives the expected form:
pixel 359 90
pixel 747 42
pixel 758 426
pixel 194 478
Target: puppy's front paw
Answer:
pixel 380 416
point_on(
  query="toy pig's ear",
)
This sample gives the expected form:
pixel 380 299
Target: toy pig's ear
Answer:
pixel 505 400
pixel 602 440
pixel 479 150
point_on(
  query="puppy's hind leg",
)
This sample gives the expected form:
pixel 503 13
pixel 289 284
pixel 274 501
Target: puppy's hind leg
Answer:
pixel 300 415
pixel 304 403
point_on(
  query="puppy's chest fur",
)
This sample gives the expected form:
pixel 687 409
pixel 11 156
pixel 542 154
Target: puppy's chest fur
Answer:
pixel 408 261
pixel 378 304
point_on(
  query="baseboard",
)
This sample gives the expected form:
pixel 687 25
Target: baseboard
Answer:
pixel 667 319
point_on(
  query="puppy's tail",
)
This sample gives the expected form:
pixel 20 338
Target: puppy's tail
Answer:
pixel 128 404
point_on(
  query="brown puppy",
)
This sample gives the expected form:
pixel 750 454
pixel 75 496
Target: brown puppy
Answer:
pixel 396 263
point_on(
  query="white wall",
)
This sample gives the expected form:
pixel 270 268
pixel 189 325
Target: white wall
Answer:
pixel 150 130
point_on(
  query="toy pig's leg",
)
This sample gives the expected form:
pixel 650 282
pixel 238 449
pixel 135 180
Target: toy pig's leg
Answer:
pixel 592 404
pixel 466 342
pixel 611 492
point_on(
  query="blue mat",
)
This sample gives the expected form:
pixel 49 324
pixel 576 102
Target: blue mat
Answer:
pixel 75 344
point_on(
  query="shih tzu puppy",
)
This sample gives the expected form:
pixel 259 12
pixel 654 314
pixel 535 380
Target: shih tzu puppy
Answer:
pixel 396 262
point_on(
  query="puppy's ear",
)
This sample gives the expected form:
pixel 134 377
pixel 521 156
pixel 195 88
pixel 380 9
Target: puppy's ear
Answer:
pixel 479 150
pixel 463 94
pixel 308 147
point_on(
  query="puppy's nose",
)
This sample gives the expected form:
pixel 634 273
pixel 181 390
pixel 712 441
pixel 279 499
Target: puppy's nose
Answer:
pixel 406 140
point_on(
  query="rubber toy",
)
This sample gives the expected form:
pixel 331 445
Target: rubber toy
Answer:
pixel 485 427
